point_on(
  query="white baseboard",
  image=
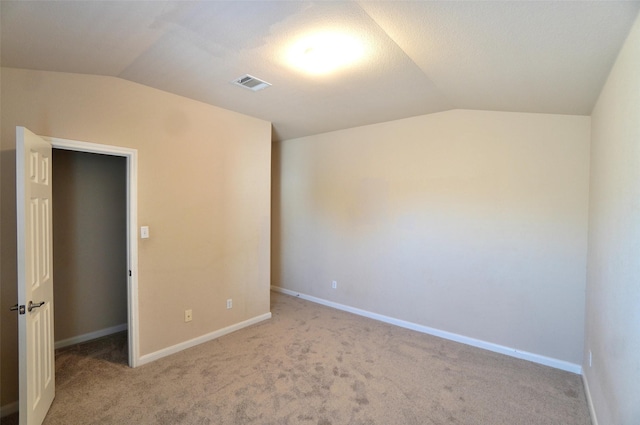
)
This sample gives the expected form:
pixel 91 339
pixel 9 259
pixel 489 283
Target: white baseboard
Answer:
pixel 536 358
pixel 592 410
pixel 90 336
pixel 148 358
pixel 9 409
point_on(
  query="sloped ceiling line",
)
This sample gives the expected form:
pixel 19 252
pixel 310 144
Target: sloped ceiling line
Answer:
pixel 447 101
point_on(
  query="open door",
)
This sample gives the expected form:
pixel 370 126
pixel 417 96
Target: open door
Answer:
pixel 35 276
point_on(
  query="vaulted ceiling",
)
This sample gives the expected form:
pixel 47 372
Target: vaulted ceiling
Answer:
pixel 419 57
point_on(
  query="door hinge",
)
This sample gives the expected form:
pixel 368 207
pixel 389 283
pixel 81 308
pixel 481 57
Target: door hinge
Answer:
pixel 129 273
pixel 20 309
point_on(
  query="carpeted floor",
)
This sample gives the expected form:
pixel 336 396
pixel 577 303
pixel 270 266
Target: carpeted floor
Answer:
pixel 315 365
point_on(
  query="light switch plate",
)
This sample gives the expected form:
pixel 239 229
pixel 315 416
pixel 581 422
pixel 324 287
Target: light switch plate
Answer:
pixel 144 232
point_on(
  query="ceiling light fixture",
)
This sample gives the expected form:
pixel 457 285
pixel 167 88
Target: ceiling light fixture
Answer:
pixel 323 53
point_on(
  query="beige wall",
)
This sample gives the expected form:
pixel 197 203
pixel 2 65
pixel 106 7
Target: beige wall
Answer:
pixel 90 242
pixel 469 222
pixel 204 190
pixel 613 284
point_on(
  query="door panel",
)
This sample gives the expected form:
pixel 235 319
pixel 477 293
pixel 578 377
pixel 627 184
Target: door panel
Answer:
pixel 35 276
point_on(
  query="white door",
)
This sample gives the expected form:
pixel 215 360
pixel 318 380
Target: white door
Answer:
pixel 35 276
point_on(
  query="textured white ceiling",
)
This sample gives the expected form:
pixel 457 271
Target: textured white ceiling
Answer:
pixel 422 56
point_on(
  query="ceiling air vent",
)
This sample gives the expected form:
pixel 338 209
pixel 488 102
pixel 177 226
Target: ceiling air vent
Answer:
pixel 250 82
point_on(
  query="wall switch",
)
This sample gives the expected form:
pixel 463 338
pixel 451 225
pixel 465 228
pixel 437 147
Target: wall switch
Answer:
pixel 229 303
pixel 334 284
pixel 144 232
pixel 188 315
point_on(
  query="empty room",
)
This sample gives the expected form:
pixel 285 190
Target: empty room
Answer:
pixel 320 212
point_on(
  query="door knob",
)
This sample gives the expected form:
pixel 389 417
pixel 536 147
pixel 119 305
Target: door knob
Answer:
pixel 33 305
pixel 18 308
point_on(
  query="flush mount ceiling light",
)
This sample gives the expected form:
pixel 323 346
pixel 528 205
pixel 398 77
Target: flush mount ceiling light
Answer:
pixel 250 82
pixel 325 52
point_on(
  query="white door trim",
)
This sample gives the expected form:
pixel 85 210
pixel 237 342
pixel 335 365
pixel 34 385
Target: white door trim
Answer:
pixel 131 156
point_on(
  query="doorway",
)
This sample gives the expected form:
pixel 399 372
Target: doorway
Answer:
pixel 89 246
pixel 129 156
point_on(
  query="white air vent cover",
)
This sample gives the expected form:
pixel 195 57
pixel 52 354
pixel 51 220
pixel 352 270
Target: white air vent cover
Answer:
pixel 250 82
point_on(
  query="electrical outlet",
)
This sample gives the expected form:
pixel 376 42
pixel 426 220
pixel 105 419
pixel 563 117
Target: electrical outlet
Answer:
pixel 229 303
pixel 334 284
pixel 188 315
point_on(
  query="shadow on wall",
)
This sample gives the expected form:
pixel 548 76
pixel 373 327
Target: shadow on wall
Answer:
pixel 276 258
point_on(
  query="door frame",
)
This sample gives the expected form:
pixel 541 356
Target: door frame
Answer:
pixel 131 156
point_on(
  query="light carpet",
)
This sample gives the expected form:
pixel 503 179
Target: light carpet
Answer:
pixel 311 364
